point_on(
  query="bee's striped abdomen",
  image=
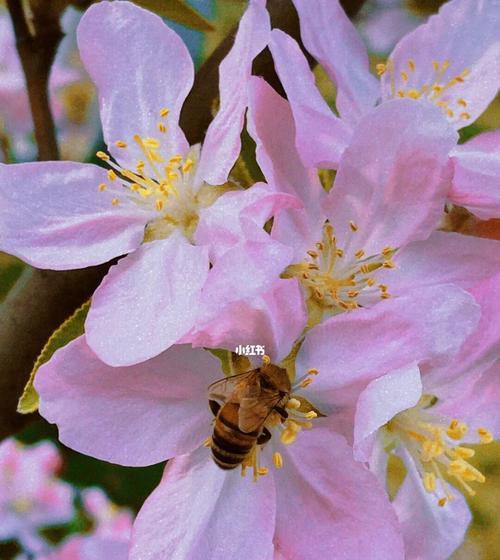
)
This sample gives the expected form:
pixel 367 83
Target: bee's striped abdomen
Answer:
pixel 230 445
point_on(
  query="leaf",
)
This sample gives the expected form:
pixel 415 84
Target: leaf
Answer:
pixel 10 271
pixel 72 328
pixel 178 11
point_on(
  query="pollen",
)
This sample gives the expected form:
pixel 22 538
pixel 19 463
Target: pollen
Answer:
pixel 484 435
pixel 102 187
pixel 353 226
pixel 120 144
pixel 115 201
pixel 436 450
pixel 381 69
pixel 112 175
pixel 161 127
pixel 278 460
pixel 164 112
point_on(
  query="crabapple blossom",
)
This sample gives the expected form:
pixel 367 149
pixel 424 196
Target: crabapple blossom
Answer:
pixel 372 236
pixel 158 410
pixel 450 62
pixel 30 495
pixel 151 200
pixel 426 413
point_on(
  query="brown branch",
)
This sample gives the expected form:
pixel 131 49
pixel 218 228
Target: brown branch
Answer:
pixel 37 47
pixel 42 300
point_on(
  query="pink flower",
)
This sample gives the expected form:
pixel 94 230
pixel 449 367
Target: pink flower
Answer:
pixel 451 62
pixel 83 547
pixel 30 495
pixel 152 201
pixel 158 409
pixel 109 520
pixel 422 412
pixel 382 211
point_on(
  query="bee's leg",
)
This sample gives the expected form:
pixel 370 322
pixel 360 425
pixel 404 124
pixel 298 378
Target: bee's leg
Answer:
pixel 214 407
pixel 264 437
pixel 281 411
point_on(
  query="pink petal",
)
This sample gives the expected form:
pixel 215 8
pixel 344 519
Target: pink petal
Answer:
pixel 455 377
pixel 329 506
pixel 464 32
pixel 147 301
pixel 320 136
pixel 202 512
pixel 139 66
pixel 52 215
pixel 368 343
pixel 332 39
pixel 476 180
pixel 270 122
pixel 220 224
pixel 222 142
pixel 382 399
pixel 444 258
pixel 429 531
pixel 134 416
pixel 393 178
pixel 274 320
pixel 247 270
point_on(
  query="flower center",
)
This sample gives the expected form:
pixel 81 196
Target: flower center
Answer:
pixel 439 90
pixel 334 283
pixel 435 444
pixel 158 183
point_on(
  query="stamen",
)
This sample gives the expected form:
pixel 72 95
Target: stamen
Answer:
pixel 278 460
pixel 120 144
pixel 485 435
pixel 164 112
pixel 103 156
pixel 112 176
pixel 102 187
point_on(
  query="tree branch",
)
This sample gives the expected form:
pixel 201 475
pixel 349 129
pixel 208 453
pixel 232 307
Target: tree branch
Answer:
pixel 37 48
pixel 42 300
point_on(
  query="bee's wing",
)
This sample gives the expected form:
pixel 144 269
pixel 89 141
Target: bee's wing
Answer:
pixel 226 389
pixel 254 411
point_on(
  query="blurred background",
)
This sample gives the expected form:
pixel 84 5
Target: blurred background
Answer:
pixel 382 23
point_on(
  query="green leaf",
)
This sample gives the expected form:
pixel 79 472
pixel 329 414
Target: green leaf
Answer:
pixel 10 270
pixel 178 11
pixel 72 328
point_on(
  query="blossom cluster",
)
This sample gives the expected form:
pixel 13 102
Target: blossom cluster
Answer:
pixel 382 319
pixel 33 498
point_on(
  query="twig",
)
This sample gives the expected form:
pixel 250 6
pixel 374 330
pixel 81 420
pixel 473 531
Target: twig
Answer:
pixel 37 48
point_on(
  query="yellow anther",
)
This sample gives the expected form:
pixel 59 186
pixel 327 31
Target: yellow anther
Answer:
pixel 436 88
pixel 456 430
pixel 450 113
pixel 412 65
pixel 152 143
pixel 288 436
pixel 313 254
pixel 278 460
pixel 442 502
pixel 359 254
pixel 175 160
pixel 320 246
pixel 161 127
pixel 381 69
pixel 404 76
pixel 353 293
pixel 266 360
pixel 312 371
pixel 262 471
pixel 385 295
pixel 339 253
pixel 140 166
pixel 112 176
pixel 462 102
pixel 115 202
pixel 464 452
pixel 135 187
pixel 387 250
pixel 188 165
pixel 102 155
pixel 305 382
pixel 370 281
pixel 120 144
pixel 172 175
pixel 414 94
pixel 388 264
pixel 102 187
pixel 353 226
pixel 485 435
pixel 465 116
pixel 159 204
pixel 429 481
pixel 164 112
pixel 382 287
pixel 311 414
pixel 293 404
pixel 400 93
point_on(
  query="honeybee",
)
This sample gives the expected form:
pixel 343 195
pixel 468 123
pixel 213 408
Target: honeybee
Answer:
pixel 241 405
